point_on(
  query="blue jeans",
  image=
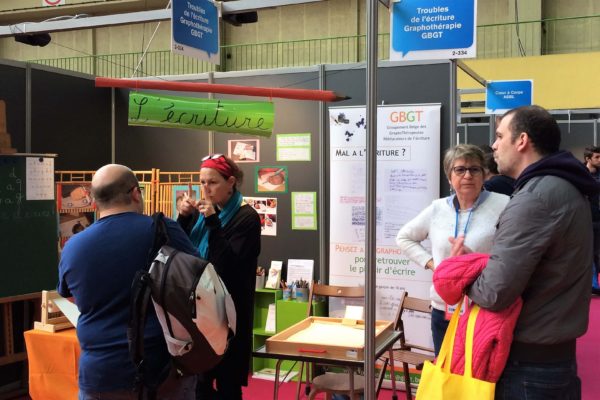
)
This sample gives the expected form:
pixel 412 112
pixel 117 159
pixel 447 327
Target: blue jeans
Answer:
pixel 181 389
pixel 343 397
pixel 539 381
pixel 439 326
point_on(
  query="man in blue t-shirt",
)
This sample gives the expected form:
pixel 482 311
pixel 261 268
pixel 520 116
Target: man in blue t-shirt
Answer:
pixel 96 271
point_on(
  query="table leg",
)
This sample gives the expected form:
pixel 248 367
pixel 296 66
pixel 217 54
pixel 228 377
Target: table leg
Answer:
pixel 276 383
pixel 300 379
pixel 352 383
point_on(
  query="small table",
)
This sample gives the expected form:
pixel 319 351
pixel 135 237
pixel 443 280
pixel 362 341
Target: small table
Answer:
pixel 53 364
pixel 385 344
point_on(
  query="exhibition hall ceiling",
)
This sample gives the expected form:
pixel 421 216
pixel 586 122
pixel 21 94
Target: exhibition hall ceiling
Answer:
pixel 17 11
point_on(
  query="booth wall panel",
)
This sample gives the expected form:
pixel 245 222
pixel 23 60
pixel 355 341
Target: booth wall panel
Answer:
pixel 12 91
pixel 397 84
pixel 291 116
pixel 72 118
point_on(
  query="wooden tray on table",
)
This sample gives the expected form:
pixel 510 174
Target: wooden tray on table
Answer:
pixel 329 337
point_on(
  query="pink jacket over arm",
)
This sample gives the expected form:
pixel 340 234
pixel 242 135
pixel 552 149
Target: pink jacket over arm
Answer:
pixel 493 330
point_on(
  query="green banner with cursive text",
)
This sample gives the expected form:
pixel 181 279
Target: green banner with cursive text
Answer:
pixel 232 116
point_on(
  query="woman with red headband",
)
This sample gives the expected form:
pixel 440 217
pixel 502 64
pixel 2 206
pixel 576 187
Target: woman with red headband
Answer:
pixel 227 233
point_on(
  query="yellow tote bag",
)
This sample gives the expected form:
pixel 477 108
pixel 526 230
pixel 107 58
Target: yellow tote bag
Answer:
pixel 438 383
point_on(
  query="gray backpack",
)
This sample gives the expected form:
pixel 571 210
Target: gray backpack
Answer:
pixel 193 306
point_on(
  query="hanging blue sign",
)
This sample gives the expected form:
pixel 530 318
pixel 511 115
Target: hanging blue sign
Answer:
pixel 433 29
pixel 501 96
pixel 195 27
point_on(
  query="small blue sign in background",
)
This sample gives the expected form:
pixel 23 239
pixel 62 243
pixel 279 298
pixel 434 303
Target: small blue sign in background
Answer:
pixel 196 24
pixel 432 25
pixel 502 96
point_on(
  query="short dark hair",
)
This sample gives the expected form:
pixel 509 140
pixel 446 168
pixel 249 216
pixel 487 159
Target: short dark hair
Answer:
pixel 488 159
pixel 540 126
pixel 490 163
pixel 117 191
pixel 589 151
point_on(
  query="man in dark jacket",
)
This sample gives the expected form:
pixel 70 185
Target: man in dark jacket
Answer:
pixel 591 159
pixel 542 252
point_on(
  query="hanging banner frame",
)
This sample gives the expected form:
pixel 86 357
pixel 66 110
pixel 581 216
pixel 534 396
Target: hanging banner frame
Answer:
pixel 408 182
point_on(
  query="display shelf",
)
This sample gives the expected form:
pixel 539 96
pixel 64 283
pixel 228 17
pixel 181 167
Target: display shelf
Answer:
pixel 262 299
pixel 287 313
pixel 262 332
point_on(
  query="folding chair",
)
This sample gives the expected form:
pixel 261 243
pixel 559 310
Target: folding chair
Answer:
pixel 407 353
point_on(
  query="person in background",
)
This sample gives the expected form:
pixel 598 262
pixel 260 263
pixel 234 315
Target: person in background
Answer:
pixel 96 271
pixel 494 181
pixel 227 233
pixel 591 159
pixel 542 252
pixel 469 213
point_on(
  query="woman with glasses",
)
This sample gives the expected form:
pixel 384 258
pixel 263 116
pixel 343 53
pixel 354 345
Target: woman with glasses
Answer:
pixel 226 231
pixel 470 212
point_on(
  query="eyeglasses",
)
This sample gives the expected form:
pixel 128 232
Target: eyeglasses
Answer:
pixel 134 187
pixel 474 171
pixel 212 157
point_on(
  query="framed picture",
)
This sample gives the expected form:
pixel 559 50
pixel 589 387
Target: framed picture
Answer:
pixel 271 179
pixel 266 207
pixel 244 151
pixel 74 196
pixel 179 192
pixel 72 223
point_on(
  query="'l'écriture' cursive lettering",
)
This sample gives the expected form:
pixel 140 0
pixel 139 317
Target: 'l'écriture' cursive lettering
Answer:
pixel 218 115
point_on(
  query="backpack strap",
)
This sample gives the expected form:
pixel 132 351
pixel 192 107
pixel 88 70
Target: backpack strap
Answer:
pixel 161 237
pixel 140 299
pixel 163 292
pixel 139 303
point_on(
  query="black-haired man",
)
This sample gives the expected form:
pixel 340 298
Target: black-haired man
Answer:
pixel 542 252
pixel 591 159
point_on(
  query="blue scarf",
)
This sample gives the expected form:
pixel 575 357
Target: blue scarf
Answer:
pixel 199 235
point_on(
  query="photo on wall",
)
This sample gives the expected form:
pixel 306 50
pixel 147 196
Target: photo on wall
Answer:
pixel 271 179
pixel 179 193
pixel 73 196
pixel 72 223
pixel 266 207
pixel 244 151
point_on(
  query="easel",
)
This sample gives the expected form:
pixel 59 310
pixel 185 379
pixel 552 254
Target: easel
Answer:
pixel 53 319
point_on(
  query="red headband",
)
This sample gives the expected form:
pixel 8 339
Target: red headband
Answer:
pixel 220 164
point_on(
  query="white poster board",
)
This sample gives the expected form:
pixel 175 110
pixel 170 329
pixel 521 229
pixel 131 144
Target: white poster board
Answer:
pixel 299 270
pixel 408 180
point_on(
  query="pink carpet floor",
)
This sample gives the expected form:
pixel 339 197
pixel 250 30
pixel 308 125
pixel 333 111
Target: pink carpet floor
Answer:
pixel 588 360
